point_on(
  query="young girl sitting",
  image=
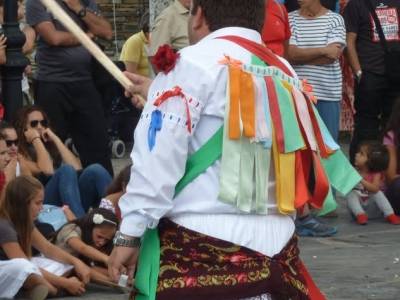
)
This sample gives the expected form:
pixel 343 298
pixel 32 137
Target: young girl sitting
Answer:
pixel 115 190
pixel 91 239
pixel 22 203
pixel 60 171
pixel 371 160
pixel 392 142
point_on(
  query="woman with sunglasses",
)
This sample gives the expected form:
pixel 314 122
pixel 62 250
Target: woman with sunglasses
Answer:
pixel 15 167
pixel 48 159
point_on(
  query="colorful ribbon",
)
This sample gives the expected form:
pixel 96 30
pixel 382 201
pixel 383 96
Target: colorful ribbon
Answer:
pixel 155 125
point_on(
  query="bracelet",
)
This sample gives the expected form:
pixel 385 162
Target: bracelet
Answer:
pixel 36 137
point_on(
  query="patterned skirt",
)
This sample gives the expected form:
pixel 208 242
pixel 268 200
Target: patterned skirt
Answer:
pixel 197 267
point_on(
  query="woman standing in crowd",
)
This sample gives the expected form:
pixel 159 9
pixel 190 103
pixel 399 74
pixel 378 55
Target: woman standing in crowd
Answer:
pixel 22 203
pixel 317 41
pixel 392 142
pixel 60 171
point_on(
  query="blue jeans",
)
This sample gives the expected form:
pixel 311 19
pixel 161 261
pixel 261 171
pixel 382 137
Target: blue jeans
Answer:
pixel 330 114
pixel 79 192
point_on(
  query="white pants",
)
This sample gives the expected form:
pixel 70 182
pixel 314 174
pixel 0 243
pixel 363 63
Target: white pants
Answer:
pixel 13 274
pixel 267 234
pixel 377 201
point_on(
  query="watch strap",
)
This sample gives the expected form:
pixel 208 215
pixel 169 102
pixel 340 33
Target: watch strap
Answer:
pixel 122 241
pixel 82 12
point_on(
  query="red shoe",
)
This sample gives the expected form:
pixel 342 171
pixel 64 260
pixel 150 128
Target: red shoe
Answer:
pixel 393 219
pixel 362 219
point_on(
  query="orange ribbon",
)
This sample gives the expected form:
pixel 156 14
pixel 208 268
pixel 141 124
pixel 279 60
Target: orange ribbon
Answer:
pixel 242 103
pixel 234 109
pixel 309 91
pixel 247 104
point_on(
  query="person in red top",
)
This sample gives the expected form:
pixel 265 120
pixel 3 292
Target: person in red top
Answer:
pixel 276 29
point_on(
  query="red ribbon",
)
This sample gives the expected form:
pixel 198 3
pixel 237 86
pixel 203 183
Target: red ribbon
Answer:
pixel 258 50
pixel 175 92
pixel 275 113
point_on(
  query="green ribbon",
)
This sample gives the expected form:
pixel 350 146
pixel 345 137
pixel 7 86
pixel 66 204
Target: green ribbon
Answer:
pixel 149 258
pixel 342 176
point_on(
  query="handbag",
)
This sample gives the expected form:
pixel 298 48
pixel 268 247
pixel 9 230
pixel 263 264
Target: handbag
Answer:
pixel 392 55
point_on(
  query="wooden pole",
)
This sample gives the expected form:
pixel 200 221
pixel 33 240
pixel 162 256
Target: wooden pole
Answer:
pixel 86 42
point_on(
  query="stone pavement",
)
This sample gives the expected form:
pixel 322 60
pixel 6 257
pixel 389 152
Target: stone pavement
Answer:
pixel 359 263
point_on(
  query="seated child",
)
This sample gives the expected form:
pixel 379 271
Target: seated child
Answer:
pixel 115 190
pixel 371 160
pixel 21 204
pixel 91 239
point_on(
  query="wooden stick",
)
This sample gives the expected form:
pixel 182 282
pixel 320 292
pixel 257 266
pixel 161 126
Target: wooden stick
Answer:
pixel 86 42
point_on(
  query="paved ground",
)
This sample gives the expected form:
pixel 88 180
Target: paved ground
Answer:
pixel 359 263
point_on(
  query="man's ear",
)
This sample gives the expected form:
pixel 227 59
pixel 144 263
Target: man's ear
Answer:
pixel 198 20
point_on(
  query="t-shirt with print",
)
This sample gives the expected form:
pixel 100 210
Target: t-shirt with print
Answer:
pixel 67 232
pixel 7 235
pixel 329 28
pixel 59 64
pixel 359 20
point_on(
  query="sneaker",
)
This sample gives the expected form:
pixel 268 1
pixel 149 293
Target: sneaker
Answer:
pixel 393 219
pixel 39 292
pixel 362 219
pixel 310 226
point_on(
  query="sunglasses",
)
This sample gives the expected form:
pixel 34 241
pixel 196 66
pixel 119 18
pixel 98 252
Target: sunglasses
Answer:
pixel 9 143
pixel 35 123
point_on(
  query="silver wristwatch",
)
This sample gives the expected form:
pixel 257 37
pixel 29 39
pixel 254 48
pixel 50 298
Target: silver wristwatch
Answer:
pixel 122 240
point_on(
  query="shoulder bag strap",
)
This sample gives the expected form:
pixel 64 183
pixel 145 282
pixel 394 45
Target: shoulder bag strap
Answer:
pixel 382 38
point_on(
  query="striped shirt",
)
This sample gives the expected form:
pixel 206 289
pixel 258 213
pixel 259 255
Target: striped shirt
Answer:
pixel 319 32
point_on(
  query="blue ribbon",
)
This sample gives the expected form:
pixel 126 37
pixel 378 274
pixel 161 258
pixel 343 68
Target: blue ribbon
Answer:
pixel 155 125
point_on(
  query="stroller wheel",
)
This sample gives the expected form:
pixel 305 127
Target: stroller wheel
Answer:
pixel 118 149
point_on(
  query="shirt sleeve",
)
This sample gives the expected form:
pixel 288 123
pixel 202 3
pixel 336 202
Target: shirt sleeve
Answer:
pixel 36 13
pixel 338 31
pixel 7 233
pixel 160 35
pixel 155 173
pixel 132 50
pixel 67 232
pixel 352 16
pixel 388 139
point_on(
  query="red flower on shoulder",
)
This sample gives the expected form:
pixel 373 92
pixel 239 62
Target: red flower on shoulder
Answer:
pixel 165 59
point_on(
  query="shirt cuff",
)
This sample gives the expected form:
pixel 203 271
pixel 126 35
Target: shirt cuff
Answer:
pixel 134 224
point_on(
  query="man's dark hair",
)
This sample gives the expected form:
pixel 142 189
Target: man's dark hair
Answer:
pixel 378 155
pixel 144 22
pixel 228 13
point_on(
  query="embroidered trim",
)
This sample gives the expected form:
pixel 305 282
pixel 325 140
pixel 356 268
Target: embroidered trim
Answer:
pixel 170 118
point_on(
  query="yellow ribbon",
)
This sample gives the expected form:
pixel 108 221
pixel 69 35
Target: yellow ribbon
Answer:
pixel 285 179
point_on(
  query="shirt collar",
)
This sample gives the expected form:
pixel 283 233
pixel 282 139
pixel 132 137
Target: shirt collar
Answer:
pixel 180 8
pixel 247 33
pixel 143 37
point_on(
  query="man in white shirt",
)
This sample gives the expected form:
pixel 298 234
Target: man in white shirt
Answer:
pixel 221 227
